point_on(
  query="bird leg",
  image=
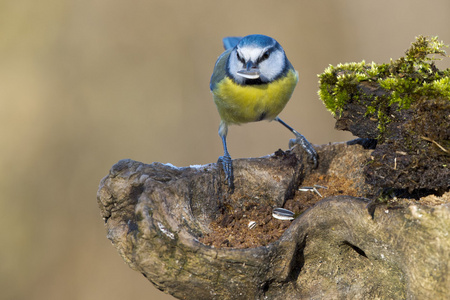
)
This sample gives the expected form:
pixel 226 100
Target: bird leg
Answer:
pixel 226 162
pixel 302 141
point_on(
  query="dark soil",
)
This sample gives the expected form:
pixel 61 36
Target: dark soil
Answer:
pixel 231 229
pixel 415 153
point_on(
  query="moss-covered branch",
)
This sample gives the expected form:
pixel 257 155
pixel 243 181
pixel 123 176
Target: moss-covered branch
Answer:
pixel 405 106
pixel 404 80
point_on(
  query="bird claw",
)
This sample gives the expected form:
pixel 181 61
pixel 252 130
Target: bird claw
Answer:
pixel 307 146
pixel 227 168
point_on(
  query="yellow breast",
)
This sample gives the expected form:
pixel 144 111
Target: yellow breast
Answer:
pixel 249 103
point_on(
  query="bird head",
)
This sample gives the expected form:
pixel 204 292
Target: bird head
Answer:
pixel 257 59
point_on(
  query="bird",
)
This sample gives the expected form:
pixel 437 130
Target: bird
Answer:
pixel 252 81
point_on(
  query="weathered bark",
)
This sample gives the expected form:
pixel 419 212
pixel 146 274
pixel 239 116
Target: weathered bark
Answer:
pixel 343 247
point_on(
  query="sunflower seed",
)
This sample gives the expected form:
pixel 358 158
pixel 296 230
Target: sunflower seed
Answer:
pixel 282 214
pixel 251 224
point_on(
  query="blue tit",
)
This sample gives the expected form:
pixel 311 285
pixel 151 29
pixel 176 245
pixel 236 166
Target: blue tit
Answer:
pixel 252 81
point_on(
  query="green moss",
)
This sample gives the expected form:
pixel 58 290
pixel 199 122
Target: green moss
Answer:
pixel 338 85
pixel 404 80
pixel 437 88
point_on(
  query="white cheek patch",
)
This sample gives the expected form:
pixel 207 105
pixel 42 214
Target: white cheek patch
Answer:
pixel 273 66
pixel 234 65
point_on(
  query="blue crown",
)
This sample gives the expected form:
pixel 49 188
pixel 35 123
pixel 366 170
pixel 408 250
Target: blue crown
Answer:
pixel 259 40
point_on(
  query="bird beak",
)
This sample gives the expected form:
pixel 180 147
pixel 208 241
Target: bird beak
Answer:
pixel 251 72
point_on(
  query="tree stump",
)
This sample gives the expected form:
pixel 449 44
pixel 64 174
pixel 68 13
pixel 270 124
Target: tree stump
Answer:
pixel 341 247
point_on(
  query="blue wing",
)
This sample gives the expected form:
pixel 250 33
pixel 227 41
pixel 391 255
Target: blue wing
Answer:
pixel 220 69
pixel 231 41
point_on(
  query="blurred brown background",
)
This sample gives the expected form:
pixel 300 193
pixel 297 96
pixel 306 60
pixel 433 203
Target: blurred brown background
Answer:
pixel 84 84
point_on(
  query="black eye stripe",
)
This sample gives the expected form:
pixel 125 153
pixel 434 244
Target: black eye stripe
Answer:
pixel 239 57
pixel 264 56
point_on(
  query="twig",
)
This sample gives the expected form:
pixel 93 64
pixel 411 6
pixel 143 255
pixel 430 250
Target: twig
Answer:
pixel 434 142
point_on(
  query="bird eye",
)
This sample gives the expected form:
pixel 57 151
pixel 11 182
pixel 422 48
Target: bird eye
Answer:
pixel 264 56
pixel 240 58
